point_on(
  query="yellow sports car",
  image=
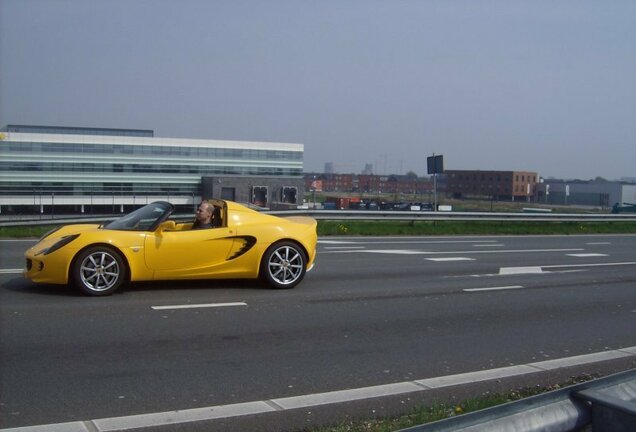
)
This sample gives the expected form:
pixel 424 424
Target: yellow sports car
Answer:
pixel 147 245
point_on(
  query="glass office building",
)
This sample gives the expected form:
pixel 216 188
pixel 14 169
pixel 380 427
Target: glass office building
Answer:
pixel 72 169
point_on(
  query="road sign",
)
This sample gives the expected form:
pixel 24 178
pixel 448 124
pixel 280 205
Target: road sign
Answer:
pixel 435 164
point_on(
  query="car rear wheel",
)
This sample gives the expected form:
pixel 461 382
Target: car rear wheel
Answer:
pixel 283 265
pixel 99 271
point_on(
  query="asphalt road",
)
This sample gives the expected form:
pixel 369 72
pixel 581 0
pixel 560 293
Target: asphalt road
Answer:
pixel 373 311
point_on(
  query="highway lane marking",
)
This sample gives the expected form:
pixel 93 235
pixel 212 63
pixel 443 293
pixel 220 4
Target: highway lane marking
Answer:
pixel 11 271
pixel 508 271
pixel 488 245
pixel 185 416
pixel 421 252
pixel 493 288
pixel 519 270
pixel 405 242
pixel 393 251
pixel 586 255
pixel 197 306
pixel 343 247
pixel 598 243
pixel 590 265
pixel 450 259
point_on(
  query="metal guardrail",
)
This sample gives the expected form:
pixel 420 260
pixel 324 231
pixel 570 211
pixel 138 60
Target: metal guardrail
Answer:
pixel 463 216
pixel 370 215
pixel 607 404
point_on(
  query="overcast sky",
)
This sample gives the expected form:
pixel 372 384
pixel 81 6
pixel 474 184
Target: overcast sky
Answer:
pixel 546 86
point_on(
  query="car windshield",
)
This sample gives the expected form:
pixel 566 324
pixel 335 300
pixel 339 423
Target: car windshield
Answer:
pixel 146 218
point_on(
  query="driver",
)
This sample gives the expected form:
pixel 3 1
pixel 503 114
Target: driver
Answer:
pixel 204 216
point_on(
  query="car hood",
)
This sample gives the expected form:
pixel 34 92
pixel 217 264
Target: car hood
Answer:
pixel 70 230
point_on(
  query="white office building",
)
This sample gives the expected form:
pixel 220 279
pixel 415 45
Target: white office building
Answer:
pixel 88 170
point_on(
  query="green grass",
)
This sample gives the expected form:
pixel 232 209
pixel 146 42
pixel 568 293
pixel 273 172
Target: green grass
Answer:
pixel 24 231
pixel 441 411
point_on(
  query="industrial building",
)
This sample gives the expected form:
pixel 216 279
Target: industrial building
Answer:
pixel 603 194
pixel 50 169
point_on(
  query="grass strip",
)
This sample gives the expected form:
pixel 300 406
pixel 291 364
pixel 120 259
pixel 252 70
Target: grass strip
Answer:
pixel 441 411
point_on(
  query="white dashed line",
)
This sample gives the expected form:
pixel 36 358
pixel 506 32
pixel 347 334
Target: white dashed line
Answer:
pixel 585 255
pixel 343 247
pixel 520 270
pixel 196 306
pixel 493 288
pixel 10 271
pixel 450 259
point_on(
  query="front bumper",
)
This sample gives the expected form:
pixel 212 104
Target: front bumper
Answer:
pixel 51 268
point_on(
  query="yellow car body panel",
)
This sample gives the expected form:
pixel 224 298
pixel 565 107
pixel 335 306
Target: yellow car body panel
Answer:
pixel 171 250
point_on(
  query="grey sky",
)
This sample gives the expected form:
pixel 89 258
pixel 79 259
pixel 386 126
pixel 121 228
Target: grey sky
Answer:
pixel 546 86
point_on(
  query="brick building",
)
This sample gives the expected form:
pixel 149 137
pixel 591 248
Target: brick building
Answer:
pixel 497 185
pixel 368 183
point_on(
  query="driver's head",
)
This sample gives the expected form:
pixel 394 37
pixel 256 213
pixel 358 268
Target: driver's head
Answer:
pixel 204 212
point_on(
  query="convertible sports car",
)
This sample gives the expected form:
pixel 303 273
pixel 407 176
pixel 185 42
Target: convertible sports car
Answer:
pixel 147 245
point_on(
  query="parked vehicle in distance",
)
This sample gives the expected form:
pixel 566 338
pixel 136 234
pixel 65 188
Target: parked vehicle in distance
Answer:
pixel 625 208
pixel 148 245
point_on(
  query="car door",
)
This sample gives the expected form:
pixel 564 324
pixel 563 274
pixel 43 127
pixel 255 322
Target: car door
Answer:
pixel 189 253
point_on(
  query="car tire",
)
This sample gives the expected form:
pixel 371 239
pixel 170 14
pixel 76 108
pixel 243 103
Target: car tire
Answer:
pixel 284 265
pixel 99 271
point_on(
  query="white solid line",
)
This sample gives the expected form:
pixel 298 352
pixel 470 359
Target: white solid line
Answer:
pixel 585 255
pixel 339 396
pixel 196 306
pixel 598 243
pixel 182 416
pixel 488 245
pixel 590 265
pixel 493 288
pixel 469 377
pixel 77 426
pixel 10 271
pixel 317 399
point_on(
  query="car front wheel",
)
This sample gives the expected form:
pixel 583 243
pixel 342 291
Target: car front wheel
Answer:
pixel 99 271
pixel 283 265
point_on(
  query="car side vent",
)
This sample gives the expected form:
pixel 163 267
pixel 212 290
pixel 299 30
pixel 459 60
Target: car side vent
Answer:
pixel 241 246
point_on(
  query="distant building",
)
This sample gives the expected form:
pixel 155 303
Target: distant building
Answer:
pixel 602 194
pixel 497 185
pixel 46 169
pixel 329 167
pixel 369 183
pixel 368 169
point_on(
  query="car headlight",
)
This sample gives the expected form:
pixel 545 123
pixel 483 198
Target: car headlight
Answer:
pixel 58 244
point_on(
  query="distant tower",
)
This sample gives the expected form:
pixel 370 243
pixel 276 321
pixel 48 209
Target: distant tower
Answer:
pixel 329 168
pixel 368 169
